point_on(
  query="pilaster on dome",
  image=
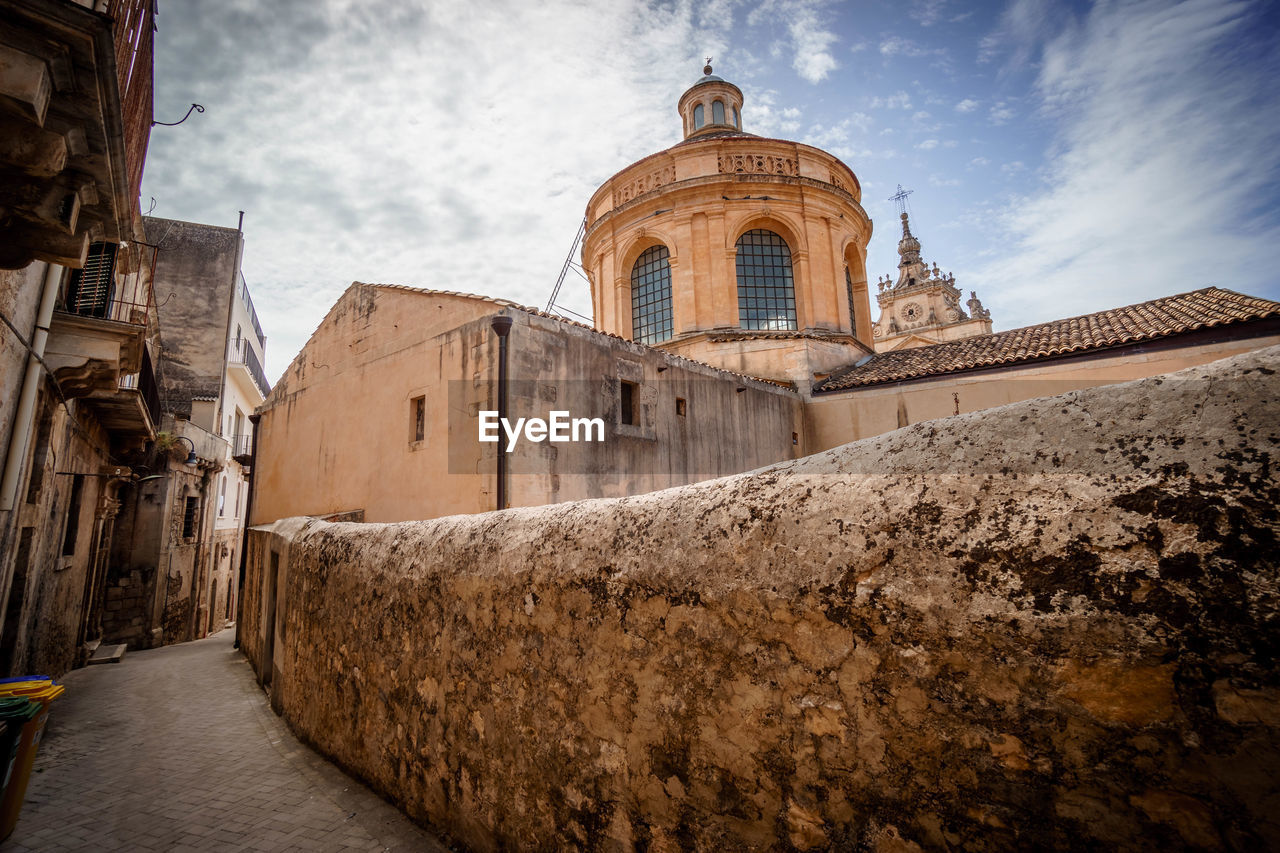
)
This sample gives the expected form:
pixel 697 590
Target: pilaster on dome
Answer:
pixel 711 105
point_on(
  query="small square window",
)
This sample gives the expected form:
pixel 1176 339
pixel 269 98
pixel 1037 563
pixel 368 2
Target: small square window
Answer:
pixel 681 407
pixel 418 418
pixel 795 438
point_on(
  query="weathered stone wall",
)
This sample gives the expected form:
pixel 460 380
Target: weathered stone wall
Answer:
pixel 1052 625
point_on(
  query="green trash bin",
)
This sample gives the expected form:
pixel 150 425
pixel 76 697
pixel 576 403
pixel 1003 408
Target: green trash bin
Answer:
pixel 29 704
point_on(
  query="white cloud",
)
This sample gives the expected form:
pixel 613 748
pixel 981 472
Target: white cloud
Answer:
pixel 1161 177
pixel 979 161
pixel 811 37
pixel 1014 167
pixel 968 105
pixel 926 13
pixel 928 145
pixel 896 101
pixel 378 141
pixel 1001 112
pixel 940 181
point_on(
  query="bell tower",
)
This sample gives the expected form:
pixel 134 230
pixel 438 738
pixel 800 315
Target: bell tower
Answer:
pixel 922 306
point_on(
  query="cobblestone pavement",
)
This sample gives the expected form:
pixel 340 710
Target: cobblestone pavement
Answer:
pixel 176 749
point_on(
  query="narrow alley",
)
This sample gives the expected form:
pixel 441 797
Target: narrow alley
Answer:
pixel 176 749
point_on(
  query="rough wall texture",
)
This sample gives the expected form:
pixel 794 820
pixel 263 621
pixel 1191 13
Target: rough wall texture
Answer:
pixel 1051 625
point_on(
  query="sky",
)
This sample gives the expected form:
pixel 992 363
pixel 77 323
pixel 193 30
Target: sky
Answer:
pixel 1063 157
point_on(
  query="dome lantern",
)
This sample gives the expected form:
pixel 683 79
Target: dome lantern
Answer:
pixel 711 105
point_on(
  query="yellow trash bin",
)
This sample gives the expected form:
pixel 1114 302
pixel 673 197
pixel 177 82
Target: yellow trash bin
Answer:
pixel 41 692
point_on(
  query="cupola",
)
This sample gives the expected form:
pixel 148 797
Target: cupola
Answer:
pixel 711 105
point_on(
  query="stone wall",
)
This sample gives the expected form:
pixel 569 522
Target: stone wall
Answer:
pixel 1051 625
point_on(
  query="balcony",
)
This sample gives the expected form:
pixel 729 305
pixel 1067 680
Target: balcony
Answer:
pixel 241 448
pixel 241 357
pixel 132 410
pixel 100 321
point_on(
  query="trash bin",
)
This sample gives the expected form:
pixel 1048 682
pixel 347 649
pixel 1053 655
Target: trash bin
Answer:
pixel 38 693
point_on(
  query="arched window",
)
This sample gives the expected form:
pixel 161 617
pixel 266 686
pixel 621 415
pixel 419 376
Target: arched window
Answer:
pixel 766 287
pixel 736 122
pixel 717 112
pixel 651 296
pixel 853 310
pixel 699 117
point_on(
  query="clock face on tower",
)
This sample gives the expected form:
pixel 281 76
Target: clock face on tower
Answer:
pixel 911 312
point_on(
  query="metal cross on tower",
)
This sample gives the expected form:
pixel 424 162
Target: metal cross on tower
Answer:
pixel 901 198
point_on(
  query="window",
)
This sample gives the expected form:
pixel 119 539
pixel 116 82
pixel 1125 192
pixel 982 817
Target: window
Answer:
pixel 627 403
pixel 699 117
pixel 222 498
pixel 853 310
pixel 189 518
pixel 90 289
pixel 651 296
pixel 239 494
pixel 736 122
pixel 681 406
pixel 418 418
pixel 795 438
pixel 73 516
pixel 766 290
pixel 717 112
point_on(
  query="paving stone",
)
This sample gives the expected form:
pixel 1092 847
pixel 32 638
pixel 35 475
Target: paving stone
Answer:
pixel 176 749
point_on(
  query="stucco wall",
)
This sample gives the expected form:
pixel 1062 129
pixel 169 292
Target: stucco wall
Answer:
pixel 196 269
pixel 336 433
pixel 1049 625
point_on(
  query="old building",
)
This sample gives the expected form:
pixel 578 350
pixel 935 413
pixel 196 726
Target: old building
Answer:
pixel 78 400
pixel 728 279
pixel 413 369
pixel 173 565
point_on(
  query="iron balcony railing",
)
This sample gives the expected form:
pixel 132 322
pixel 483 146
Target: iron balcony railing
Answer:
pixel 97 291
pixel 241 445
pixel 253 314
pixel 144 382
pixel 240 352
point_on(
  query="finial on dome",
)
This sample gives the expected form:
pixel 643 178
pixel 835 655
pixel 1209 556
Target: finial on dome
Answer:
pixel 706 69
pixel 906 227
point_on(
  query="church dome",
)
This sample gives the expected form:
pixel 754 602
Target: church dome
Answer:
pixel 737 250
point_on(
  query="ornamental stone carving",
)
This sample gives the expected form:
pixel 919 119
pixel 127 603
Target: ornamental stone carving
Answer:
pixel 644 184
pixel 762 164
pixel 833 178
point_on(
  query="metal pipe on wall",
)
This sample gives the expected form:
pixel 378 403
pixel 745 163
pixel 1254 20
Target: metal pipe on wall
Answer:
pixel 20 436
pixel 502 327
pixel 244 533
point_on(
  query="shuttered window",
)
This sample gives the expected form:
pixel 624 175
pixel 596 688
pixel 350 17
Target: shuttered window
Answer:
pixel 90 291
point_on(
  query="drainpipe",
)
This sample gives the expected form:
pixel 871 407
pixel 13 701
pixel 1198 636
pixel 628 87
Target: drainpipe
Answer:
pixel 30 385
pixel 502 327
pixel 244 535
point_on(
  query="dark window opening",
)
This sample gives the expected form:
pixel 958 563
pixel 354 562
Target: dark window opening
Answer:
pixel 418 418
pixel 73 516
pixel 853 311
pixel 627 409
pixel 189 518
pixel 651 321
pixel 795 438
pixel 680 406
pixel 766 288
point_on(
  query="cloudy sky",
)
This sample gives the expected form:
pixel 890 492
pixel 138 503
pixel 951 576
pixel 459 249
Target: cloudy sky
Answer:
pixel 1065 157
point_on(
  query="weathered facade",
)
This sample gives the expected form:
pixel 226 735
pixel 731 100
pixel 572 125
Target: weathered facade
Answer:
pixel 173 568
pixel 1045 626
pixel 78 401
pixel 413 369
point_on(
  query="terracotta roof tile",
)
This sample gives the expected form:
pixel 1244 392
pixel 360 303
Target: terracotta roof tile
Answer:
pixel 1170 315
